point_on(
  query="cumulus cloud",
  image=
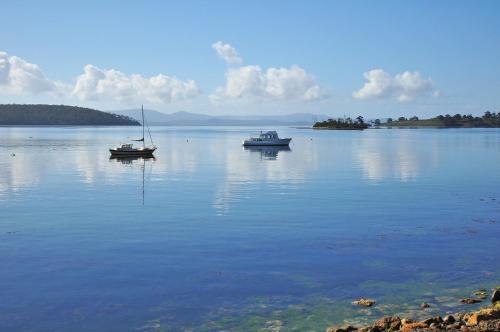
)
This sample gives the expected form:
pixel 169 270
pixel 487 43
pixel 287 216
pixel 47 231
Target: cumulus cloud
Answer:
pixel 98 84
pixel 226 52
pixel 404 87
pixel 274 84
pixel 18 76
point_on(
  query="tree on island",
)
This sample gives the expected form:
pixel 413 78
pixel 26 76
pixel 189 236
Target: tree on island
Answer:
pixel 346 124
pixel 488 120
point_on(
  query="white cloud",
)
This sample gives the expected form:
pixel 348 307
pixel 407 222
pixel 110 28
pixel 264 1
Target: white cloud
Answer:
pixel 18 76
pixel 226 52
pixel 404 87
pixel 99 84
pixel 251 83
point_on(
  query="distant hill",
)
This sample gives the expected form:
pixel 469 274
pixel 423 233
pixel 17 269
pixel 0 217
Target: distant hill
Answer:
pixel 62 115
pixel 194 119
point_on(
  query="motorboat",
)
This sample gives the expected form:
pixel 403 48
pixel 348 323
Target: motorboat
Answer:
pixel 268 138
pixel 128 149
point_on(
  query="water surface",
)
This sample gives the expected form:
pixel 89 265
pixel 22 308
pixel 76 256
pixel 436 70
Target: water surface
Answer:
pixel 212 236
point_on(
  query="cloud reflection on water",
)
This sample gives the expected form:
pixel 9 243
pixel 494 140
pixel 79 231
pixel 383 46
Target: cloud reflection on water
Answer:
pixel 234 172
pixel 403 159
pixel 246 168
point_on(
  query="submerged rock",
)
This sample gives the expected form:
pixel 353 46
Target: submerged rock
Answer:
pixel 274 325
pixel 481 293
pixel 341 329
pixel 364 302
pixel 425 305
pixel 469 300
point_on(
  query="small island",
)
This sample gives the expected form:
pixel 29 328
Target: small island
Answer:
pixel 342 124
pixel 59 115
pixel 488 120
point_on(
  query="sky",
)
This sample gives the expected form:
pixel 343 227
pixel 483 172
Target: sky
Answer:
pixel 371 58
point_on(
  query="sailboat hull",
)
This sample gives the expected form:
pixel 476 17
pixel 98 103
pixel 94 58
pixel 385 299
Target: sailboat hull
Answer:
pixel 132 152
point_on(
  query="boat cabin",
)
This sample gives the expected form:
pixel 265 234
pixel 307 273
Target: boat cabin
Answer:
pixel 269 135
pixel 126 147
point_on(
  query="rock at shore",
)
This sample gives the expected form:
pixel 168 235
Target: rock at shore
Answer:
pixel 450 319
pixel 364 302
pixel 495 296
pixel 392 323
pixel 484 320
pixel 483 315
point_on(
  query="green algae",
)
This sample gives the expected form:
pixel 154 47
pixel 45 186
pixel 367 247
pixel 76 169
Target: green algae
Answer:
pixel 317 312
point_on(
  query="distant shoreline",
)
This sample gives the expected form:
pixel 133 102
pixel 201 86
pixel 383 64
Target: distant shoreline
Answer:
pixel 488 120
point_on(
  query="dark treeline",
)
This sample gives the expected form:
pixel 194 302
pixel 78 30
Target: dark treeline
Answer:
pixel 340 123
pixel 49 115
pixel 488 120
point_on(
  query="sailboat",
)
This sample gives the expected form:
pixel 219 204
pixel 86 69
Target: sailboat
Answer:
pixel 128 150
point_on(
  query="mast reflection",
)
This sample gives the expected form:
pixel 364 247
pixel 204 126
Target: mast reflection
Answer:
pixel 129 161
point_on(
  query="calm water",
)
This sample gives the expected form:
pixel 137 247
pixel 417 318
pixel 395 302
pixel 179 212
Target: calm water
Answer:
pixel 210 236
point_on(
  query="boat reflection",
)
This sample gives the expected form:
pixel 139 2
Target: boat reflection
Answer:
pixel 267 152
pixel 130 159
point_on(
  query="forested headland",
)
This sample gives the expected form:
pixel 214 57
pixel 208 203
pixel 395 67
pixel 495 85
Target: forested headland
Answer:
pixel 59 115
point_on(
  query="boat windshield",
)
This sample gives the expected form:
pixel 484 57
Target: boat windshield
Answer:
pixel 269 135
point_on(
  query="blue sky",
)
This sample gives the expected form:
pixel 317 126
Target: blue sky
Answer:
pixel 420 57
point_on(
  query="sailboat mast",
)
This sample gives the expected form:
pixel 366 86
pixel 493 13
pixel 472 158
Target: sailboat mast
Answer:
pixel 143 142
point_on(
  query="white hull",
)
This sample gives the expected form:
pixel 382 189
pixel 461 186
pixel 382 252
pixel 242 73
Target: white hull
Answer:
pixel 278 142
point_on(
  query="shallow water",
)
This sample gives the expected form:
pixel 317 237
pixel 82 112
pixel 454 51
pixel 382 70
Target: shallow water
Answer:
pixel 211 236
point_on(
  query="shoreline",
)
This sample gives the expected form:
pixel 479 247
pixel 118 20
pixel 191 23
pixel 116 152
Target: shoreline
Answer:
pixel 485 319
